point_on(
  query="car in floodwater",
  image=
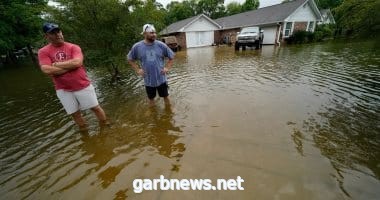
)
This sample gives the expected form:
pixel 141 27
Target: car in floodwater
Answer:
pixel 249 36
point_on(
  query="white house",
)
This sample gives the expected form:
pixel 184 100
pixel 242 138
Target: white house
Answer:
pixel 278 21
pixel 196 31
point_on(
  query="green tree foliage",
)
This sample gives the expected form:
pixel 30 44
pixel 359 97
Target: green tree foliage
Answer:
pixel 250 5
pixel 357 17
pixel 98 26
pixel 105 29
pixel 211 8
pixel 177 11
pixel 323 4
pixel 149 12
pixel 20 23
pixel 324 31
pixel 233 8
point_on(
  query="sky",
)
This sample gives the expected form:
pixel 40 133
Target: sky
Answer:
pixel 263 3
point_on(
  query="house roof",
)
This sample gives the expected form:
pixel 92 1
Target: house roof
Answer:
pixel 326 13
pixel 266 15
pixel 180 25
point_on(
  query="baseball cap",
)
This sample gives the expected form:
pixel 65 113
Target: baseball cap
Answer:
pixel 148 28
pixel 48 27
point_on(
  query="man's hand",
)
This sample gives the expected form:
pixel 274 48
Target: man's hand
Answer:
pixel 165 70
pixel 140 72
pixel 69 64
pixel 51 70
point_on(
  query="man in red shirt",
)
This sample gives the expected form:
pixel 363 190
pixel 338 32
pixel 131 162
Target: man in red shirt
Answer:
pixel 63 62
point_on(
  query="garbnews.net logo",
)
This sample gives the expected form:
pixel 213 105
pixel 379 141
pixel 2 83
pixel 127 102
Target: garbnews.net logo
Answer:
pixel 139 185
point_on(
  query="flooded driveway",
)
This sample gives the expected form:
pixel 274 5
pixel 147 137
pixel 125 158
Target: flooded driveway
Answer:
pixel 297 122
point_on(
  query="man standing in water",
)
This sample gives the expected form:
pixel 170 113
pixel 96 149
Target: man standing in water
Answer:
pixel 151 53
pixel 63 62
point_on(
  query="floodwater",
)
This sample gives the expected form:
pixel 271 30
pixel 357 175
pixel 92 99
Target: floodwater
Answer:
pixel 296 122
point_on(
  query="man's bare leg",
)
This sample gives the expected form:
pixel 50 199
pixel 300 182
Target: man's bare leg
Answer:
pixel 100 114
pixel 167 100
pixel 151 102
pixel 79 120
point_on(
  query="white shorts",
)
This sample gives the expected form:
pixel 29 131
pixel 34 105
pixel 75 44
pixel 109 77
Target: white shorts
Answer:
pixel 82 99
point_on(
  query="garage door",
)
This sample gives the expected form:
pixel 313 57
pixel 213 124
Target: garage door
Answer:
pixel 199 38
pixel 269 35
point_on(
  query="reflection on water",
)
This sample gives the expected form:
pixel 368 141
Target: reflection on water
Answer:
pixel 297 122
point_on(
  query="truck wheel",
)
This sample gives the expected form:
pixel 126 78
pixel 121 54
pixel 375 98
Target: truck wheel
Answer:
pixel 258 44
pixel 237 46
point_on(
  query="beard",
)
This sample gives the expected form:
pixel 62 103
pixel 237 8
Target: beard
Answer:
pixel 151 39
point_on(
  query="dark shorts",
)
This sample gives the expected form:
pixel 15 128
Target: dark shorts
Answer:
pixel 161 89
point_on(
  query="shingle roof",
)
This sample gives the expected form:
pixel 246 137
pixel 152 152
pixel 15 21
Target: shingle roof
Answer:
pixel 262 16
pixel 177 26
pixel 266 15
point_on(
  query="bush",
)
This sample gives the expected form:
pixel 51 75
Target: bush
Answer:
pixel 299 37
pixel 321 32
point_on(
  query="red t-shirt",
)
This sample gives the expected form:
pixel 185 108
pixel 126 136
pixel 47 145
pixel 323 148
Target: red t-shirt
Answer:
pixel 73 80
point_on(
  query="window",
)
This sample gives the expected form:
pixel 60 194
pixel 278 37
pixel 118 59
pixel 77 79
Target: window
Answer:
pixel 311 27
pixel 288 28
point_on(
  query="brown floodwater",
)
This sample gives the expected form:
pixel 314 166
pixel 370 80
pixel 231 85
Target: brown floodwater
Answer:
pixel 295 122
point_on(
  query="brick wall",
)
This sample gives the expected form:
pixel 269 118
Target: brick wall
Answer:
pixel 300 26
pixel 181 39
pixel 231 33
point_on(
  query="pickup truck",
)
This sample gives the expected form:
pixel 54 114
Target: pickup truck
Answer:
pixel 249 36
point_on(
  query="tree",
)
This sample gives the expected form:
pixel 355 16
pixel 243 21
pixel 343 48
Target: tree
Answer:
pixel 20 24
pixel 212 8
pixel 250 5
pixel 105 29
pixel 359 17
pixel 149 12
pixel 324 4
pixel 98 26
pixel 177 11
pixel 233 8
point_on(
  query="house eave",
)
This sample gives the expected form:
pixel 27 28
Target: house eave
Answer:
pixel 261 25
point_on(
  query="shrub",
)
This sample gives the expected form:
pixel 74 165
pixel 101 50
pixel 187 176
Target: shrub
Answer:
pixel 321 32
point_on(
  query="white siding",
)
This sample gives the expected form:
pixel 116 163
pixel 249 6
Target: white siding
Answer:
pixel 269 34
pixel 200 32
pixel 302 14
pixel 199 38
pixel 201 24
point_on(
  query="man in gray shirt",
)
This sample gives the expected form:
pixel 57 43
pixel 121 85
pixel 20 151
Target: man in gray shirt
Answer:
pixel 151 53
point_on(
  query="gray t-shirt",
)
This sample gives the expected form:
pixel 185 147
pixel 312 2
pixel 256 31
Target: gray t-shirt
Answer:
pixel 152 58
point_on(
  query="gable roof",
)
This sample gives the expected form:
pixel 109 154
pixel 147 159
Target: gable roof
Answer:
pixel 326 14
pixel 266 15
pixel 180 25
